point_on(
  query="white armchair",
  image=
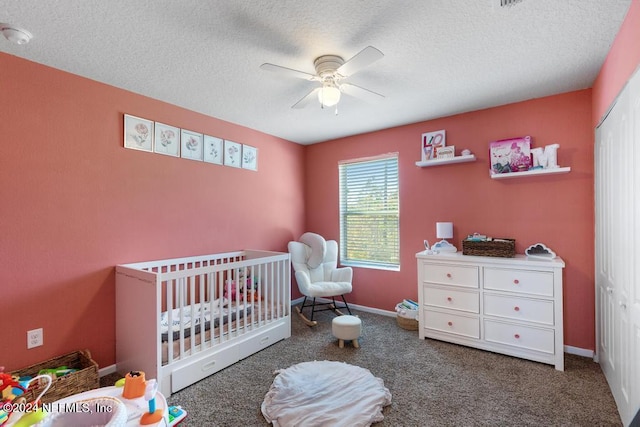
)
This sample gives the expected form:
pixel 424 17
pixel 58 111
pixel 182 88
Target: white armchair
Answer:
pixel 315 262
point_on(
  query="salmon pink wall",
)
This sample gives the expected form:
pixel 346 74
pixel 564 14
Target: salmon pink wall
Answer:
pixel 74 203
pixel 622 60
pixel 556 210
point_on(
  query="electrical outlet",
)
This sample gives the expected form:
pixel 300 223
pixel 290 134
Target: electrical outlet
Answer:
pixel 34 338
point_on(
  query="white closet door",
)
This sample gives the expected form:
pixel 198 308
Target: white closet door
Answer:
pixel 617 161
pixel 608 137
pixel 633 304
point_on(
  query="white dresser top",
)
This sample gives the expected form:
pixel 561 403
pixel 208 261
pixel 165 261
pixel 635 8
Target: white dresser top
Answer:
pixel 519 259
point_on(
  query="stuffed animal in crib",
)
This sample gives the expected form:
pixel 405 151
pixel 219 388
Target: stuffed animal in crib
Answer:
pixel 230 291
pixel 245 284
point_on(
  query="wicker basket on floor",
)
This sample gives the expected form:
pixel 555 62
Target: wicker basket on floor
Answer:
pixel 83 379
pixel 407 323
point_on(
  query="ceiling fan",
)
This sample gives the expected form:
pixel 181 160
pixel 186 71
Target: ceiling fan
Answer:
pixel 331 73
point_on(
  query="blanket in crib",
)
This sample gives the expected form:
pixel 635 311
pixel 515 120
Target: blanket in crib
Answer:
pixel 221 311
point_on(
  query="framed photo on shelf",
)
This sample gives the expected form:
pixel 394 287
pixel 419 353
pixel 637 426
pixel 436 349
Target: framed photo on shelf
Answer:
pixel 510 155
pixel 213 149
pixel 138 133
pixel 446 152
pixel 232 154
pixel 167 140
pixel 191 145
pixel 249 157
pixel 431 141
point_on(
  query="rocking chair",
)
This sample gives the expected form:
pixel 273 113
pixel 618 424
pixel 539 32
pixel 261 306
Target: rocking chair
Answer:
pixel 315 261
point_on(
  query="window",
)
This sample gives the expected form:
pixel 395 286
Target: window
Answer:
pixel 370 213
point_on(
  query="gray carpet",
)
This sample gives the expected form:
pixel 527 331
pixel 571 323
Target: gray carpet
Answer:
pixel 432 383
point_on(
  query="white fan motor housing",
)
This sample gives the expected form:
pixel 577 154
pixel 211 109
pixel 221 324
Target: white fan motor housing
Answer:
pixel 327 65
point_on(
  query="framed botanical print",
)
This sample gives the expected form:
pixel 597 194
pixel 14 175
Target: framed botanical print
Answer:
pixel 138 133
pixel 232 154
pixel 213 149
pixel 167 140
pixel 249 157
pixel 191 145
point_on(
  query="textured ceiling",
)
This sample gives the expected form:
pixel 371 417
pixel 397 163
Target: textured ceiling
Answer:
pixel 442 57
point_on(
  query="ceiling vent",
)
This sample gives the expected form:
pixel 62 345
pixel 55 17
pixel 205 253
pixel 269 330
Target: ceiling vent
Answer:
pixel 507 3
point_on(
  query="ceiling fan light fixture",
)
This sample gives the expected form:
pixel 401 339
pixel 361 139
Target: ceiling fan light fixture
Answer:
pixel 329 95
pixel 14 34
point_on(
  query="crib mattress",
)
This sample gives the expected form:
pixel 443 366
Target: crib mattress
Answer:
pixel 193 315
pixel 219 331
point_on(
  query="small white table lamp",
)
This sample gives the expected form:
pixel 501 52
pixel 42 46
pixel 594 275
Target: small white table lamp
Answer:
pixel 444 230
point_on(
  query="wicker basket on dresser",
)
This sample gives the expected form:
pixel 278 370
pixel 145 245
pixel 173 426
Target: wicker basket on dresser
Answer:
pixel 511 306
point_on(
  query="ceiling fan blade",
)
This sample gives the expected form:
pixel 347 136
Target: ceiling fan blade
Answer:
pixel 360 92
pixel 365 57
pixel 307 99
pixel 288 71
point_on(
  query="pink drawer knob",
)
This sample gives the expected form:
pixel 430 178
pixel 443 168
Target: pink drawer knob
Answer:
pixel 450 323
pixel 516 281
pixel 449 275
pixel 516 308
pixel 449 299
pixel 517 336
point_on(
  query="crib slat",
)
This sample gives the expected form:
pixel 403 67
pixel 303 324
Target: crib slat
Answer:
pixel 222 285
pixel 169 298
pixel 191 311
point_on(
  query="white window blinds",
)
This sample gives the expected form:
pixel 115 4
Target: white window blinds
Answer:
pixel 370 213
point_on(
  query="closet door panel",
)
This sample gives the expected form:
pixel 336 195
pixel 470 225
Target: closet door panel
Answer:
pixel 617 190
pixel 607 214
pixel 633 302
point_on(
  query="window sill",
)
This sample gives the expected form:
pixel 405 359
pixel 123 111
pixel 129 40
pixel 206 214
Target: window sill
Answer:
pixel 370 266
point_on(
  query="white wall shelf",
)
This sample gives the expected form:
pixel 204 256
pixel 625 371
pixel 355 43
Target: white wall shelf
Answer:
pixel 438 162
pixel 530 173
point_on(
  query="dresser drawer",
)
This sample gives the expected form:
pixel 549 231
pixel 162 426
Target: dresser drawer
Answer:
pixel 528 310
pixel 468 326
pixel 531 338
pixel 452 298
pixel 521 281
pixel 456 275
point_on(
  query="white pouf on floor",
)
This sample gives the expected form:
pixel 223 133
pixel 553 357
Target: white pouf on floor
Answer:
pixel 347 328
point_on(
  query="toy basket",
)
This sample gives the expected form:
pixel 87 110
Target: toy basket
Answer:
pixel 505 248
pixel 406 323
pixel 407 319
pixel 83 379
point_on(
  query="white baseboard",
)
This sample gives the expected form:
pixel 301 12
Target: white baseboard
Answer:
pixel 579 351
pixel 107 370
pixel 567 348
pixel 356 306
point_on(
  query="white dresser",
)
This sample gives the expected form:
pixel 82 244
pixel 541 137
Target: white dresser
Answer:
pixel 505 305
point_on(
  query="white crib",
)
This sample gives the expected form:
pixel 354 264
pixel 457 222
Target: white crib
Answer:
pixel 181 320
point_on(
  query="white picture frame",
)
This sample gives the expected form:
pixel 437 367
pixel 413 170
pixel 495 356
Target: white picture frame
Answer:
pixel 430 143
pixel 138 133
pixel 167 140
pixel 213 149
pixel 232 154
pixel 190 145
pixel 510 155
pixel 249 157
pixel 448 152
